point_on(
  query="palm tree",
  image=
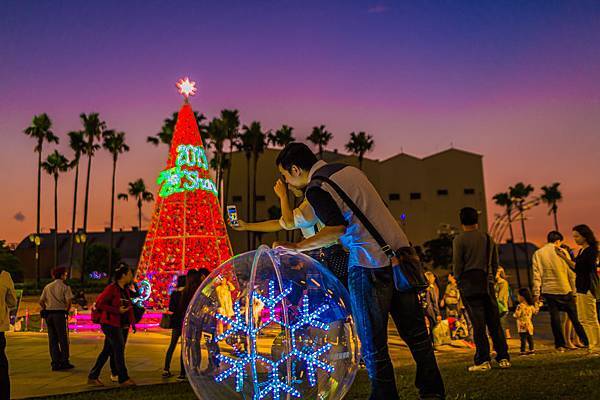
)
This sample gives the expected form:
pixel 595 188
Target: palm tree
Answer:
pixel 165 136
pixel 54 165
pixel 114 142
pixel 40 131
pixel 77 144
pixel 320 137
pixel 360 144
pixel 504 200
pixel 217 134
pixel 137 189
pixel 245 143
pixel 231 124
pixel 282 136
pixel 551 195
pixel 519 194
pixel 259 144
pixel 93 127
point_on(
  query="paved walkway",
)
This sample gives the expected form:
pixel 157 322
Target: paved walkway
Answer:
pixel 30 364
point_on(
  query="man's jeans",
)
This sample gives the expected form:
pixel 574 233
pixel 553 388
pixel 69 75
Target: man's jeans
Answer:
pixel 483 312
pixel 114 347
pixel 373 298
pixel 4 378
pixel 58 338
pixel 566 303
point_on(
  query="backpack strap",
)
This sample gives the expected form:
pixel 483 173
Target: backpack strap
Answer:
pixel 387 249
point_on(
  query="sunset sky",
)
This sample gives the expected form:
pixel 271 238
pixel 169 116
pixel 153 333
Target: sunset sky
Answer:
pixel 518 82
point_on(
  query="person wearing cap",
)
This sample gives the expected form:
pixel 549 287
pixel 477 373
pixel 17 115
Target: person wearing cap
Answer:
pixel 56 302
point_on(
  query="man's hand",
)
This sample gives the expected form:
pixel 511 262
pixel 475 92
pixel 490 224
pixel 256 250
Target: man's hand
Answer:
pixel 241 225
pixel 123 309
pixel 280 189
pixel 285 245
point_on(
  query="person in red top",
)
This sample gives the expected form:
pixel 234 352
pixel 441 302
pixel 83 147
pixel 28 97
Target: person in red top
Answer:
pixel 116 316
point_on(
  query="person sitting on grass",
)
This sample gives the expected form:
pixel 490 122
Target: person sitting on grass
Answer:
pixel 524 313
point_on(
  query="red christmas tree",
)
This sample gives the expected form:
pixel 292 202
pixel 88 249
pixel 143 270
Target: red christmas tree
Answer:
pixel 187 229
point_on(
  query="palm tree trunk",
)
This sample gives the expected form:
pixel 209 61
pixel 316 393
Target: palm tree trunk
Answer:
pixel 555 213
pixel 514 249
pixel 85 215
pixel 37 229
pixel 73 220
pixel 112 217
pixel 248 236
pixel 55 221
pixel 254 169
pixel 227 180
pixel 139 204
pixel 525 248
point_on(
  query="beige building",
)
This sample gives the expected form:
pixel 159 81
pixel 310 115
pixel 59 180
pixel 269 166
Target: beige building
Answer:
pixel 422 193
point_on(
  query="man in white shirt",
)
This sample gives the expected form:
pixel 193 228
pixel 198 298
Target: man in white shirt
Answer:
pixel 56 302
pixel 552 279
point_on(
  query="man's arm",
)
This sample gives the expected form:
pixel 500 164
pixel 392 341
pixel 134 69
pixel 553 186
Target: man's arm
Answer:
pixel 271 225
pixel 287 215
pixel 43 299
pixel 495 262
pixel 11 293
pixel 328 212
pixel 457 258
pixel 537 275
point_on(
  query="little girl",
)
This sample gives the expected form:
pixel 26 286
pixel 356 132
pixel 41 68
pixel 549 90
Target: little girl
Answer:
pixel 524 312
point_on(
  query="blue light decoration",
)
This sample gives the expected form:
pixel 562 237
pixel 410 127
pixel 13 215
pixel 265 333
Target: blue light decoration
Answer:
pixel 274 386
pixel 144 291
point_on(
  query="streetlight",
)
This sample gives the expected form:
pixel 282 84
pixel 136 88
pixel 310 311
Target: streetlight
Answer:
pixel 81 238
pixel 36 240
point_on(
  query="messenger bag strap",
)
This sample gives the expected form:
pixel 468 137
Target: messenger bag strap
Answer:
pixel 389 252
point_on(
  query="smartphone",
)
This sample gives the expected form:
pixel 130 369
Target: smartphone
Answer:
pixel 232 214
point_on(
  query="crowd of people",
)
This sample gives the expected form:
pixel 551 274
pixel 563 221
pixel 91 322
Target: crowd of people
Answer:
pixel 347 226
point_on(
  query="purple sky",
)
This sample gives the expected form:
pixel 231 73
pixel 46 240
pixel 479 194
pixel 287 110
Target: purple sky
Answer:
pixel 518 82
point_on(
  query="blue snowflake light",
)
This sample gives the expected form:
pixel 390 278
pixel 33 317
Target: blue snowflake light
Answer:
pixel 274 385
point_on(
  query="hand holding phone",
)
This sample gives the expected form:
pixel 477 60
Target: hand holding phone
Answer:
pixel 232 215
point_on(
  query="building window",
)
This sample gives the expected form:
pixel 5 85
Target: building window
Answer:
pixel 259 197
pixel 237 199
pixel 415 196
pixel 469 191
pixel 394 196
pixel 442 192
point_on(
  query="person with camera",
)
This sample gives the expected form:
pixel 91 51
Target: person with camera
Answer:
pixel 114 310
pixel 8 301
pixel 348 204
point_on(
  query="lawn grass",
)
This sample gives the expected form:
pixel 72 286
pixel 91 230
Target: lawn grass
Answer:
pixel 543 376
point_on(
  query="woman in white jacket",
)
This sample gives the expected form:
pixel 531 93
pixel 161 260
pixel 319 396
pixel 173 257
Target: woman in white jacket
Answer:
pixel 8 300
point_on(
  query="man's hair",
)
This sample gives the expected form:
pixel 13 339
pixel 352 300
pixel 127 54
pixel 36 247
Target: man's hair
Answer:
pixel 468 216
pixel 58 272
pixel 297 154
pixel 555 236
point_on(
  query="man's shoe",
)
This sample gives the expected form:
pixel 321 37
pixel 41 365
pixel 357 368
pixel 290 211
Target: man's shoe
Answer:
pixel 181 378
pixel 114 378
pixel 68 365
pixel 128 383
pixel 166 374
pixel 95 382
pixel 486 366
pixel 504 363
pixel 530 352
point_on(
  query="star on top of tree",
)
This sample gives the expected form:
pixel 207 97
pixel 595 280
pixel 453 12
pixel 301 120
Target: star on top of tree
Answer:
pixel 186 87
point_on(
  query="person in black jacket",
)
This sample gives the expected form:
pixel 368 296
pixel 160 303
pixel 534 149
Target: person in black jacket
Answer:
pixel 178 304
